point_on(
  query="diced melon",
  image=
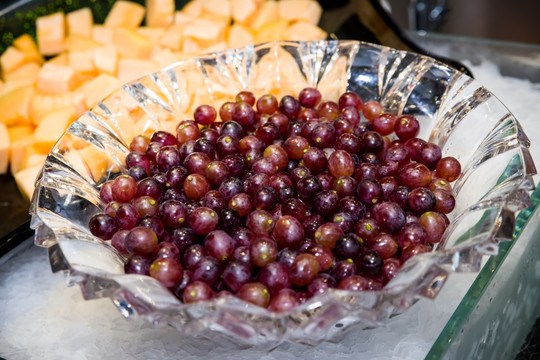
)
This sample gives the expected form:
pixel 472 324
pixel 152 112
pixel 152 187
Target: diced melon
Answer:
pixel 80 22
pixel 102 34
pixel 172 37
pixel 81 62
pixel 220 20
pixel 50 33
pixel 55 79
pixel 131 44
pixel 42 104
pixel 20 150
pixel 15 105
pixel 79 101
pixel 17 132
pixel 332 84
pixel 193 9
pixel 267 13
pixel 190 45
pixel 51 127
pixel 159 12
pixel 272 31
pixel 28 46
pixel 76 42
pixel 125 14
pixel 26 179
pixel 221 8
pixel 304 30
pixel 152 33
pixel 201 29
pixel 96 161
pixel 165 57
pixel 215 47
pixel 105 59
pixel 26 71
pixel 34 158
pixel 132 69
pixel 239 36
pixel 23 76
pixel 308 10
pixel 244 10
pixel 4 149
pixel 99 87
pixel 60 59
pixel 16 83
pixel 11 59
pixel 181 18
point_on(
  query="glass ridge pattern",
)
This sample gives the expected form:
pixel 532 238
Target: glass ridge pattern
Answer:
pixel 455 112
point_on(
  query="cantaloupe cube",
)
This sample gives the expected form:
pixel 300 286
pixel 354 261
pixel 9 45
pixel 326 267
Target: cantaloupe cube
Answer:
pixel 17 132
pixel 42 104
pixel 80 22
pixel 159 12
pixel 16 83
pixel 308 10
pixel 96 162
pixel 105 59
pixel 25 71
pixel 4 149
pixel 131 44
pixel 50 32
pixel 304 30
pixel 152 33
pixel 221 20
pixel 28 46
pixel 242 11
pixel 267 13
pixel 22 76
pixel 11 59
pixel 76 42
pixel 20 150
pixel 132 69
pixel 79 101
pixel 181 18
pixel 125 14
pixel 172 37
pixel 202 29
pixel 165 57
pixel 60 59
pixel 272 31
pixel 239 35
pixel 215 47
pixel 98 88
pixel 34 159
pixel 221 8
pixel 193 9
pixel 82 62
pixel 190 46
pixel 25 180
pixel 102 34
pixel 55 79
pixel 15 105
pixel 51 127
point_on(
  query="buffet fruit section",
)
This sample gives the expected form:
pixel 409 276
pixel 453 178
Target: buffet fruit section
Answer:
pixel 51 78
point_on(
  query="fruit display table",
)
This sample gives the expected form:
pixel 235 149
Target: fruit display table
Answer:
pixel 483 315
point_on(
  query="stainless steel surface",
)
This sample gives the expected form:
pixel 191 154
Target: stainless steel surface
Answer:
pixel 515 21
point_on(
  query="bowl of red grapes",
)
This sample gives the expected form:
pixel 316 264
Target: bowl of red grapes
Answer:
pixel 282 191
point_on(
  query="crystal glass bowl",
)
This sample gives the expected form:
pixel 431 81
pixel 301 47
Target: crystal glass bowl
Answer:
pixel 456 112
